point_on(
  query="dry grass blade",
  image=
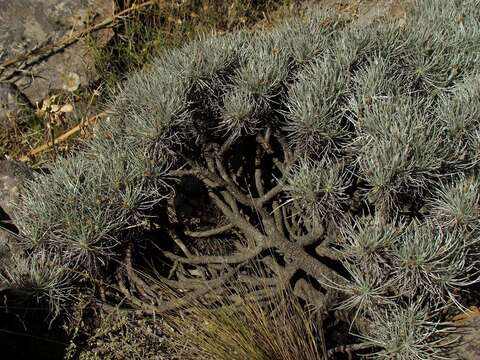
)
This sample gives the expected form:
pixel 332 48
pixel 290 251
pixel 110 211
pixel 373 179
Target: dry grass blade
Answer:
pixel 268 323
pixel 38 150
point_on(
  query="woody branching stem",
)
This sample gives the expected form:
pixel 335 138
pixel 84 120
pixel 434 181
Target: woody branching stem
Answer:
pixel 254 212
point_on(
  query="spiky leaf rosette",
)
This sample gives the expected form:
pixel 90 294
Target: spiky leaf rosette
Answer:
pixel 405 333
pixel 367 241
pixel 457 204
pixel 316 190
pixel 314 119
pixel 459 113
pixel 43 275
pixel 429 260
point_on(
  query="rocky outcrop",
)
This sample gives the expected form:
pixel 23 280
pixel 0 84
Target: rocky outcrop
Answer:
pixel 466 336
pixel 12 177
pixel 14 105
pixel 31 27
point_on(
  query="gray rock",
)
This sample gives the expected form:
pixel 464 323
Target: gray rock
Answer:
pixel 28 24
pixel 13 105
pixel 12 177
pixel 467 336
pixel 8 247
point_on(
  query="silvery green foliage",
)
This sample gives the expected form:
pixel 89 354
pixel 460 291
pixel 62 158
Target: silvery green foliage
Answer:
pixel 382 125
pixel 459 113
pixel 304 41
pixel 398 149
pixel 379 79
pixel 366 291
pixel 43 275
pixel 456 204
pixel 368 241
pixel 314 107
pixel 405 332
pixel 263 70
pixel 146 112
pixel 317 190
pixel 415 260
pixel 429 260
pixel 444 47
pixel 204 62
pixel 241 113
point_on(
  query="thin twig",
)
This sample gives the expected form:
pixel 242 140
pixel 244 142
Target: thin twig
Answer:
pixel 208 233
pixel 61 138
pixel 349 349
